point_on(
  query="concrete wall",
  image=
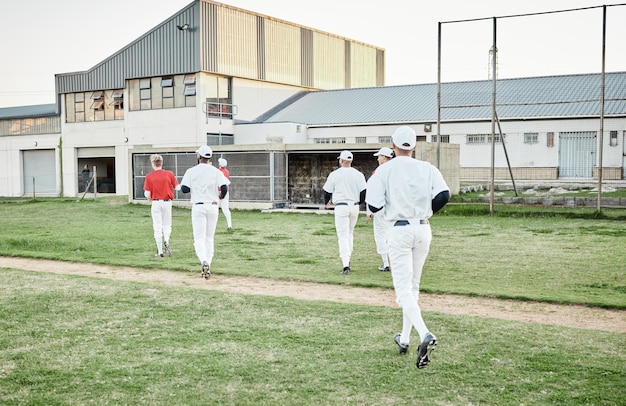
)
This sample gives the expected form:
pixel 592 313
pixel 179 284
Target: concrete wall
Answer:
pixel 254 98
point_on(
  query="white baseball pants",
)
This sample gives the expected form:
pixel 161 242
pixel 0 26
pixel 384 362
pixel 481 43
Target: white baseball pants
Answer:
pixel 381 226
pixel 203 223
pixel 161 212
pixel 226 210
pixel 408 248
pixel 346 217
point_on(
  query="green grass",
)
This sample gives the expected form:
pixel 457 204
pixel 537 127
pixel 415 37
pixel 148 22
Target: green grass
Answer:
pixel 78 340
pixel 553 255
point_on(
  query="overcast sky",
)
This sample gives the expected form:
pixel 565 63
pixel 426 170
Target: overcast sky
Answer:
pixel 41 38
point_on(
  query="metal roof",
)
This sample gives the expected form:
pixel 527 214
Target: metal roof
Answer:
pixel 522 98
pixel 216 40
pixel 40 110
pixel 569 96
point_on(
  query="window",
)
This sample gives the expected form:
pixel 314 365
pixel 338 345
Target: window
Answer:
pixel 162 92
pixel 118 99
pixel 80 102
pixel 475 139
pixel 421 138
pixel 361 140
pixel 531 138
pixel 613 138
pixel 190 85
pixel 145 95
pixel 550 139
pixel 167 92
pixel 482 138
pixel 220 139
pixel 117 103
pixel 98 100
pixel 190 90
pixel 498 138
pixel 218 101
pixel 339 140
pixel 385 139
pixel 444 138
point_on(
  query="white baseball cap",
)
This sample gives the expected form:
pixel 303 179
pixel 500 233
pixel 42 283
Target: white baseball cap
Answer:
pixel 385 151
pixel 222 162
pixel 404 138
pixel 205 151
pixel 345 155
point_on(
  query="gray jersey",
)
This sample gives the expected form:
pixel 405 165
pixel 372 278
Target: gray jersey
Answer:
pixel 405 188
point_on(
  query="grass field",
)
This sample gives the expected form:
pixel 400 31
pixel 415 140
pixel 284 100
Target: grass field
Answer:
pixel 77 340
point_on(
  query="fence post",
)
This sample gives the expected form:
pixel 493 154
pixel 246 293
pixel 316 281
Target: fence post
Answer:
pixel 95 182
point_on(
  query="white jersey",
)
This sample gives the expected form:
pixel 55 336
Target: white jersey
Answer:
pixel 405 188
pixel 345 184
pixel 204 180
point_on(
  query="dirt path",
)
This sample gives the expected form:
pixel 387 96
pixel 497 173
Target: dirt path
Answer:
pixel 531 312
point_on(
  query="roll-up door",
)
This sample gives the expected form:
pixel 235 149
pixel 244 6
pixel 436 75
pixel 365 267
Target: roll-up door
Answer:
pixel 577 154
pixel 39 172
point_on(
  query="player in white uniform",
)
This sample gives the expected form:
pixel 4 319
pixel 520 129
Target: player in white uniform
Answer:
pixel 204 181
pixel 224 204
pixel 410 191
pixel 381 225
pixel 345 188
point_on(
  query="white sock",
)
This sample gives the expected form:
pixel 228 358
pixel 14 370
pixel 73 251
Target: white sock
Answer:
pixel 385 260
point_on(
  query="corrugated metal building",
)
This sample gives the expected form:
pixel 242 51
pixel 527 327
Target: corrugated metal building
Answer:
pixel 550 125
pixel 180 85
pixel 280 101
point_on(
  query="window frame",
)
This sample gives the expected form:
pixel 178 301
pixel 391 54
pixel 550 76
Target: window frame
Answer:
pixel 531 138
pixel 613 134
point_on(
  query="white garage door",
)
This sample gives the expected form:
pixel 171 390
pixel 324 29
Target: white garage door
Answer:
pixel 577 154
pixel 39 172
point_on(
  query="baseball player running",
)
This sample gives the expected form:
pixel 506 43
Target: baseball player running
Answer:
pixel 345 188
pixel 381 225
pixel 223 163
pixel 159 187
pixel 410 191
pixel 203 182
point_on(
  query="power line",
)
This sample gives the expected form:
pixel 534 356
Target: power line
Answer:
pixel 531 14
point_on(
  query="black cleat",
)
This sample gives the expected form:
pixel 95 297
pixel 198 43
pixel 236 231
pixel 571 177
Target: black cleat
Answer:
pixel 206 272
pixel 427 346
pixel 157 255
pixel 387 269
pixel 346 270
pixel 402 348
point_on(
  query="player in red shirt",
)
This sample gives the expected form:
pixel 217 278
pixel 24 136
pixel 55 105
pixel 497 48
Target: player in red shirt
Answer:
pixel 159 188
